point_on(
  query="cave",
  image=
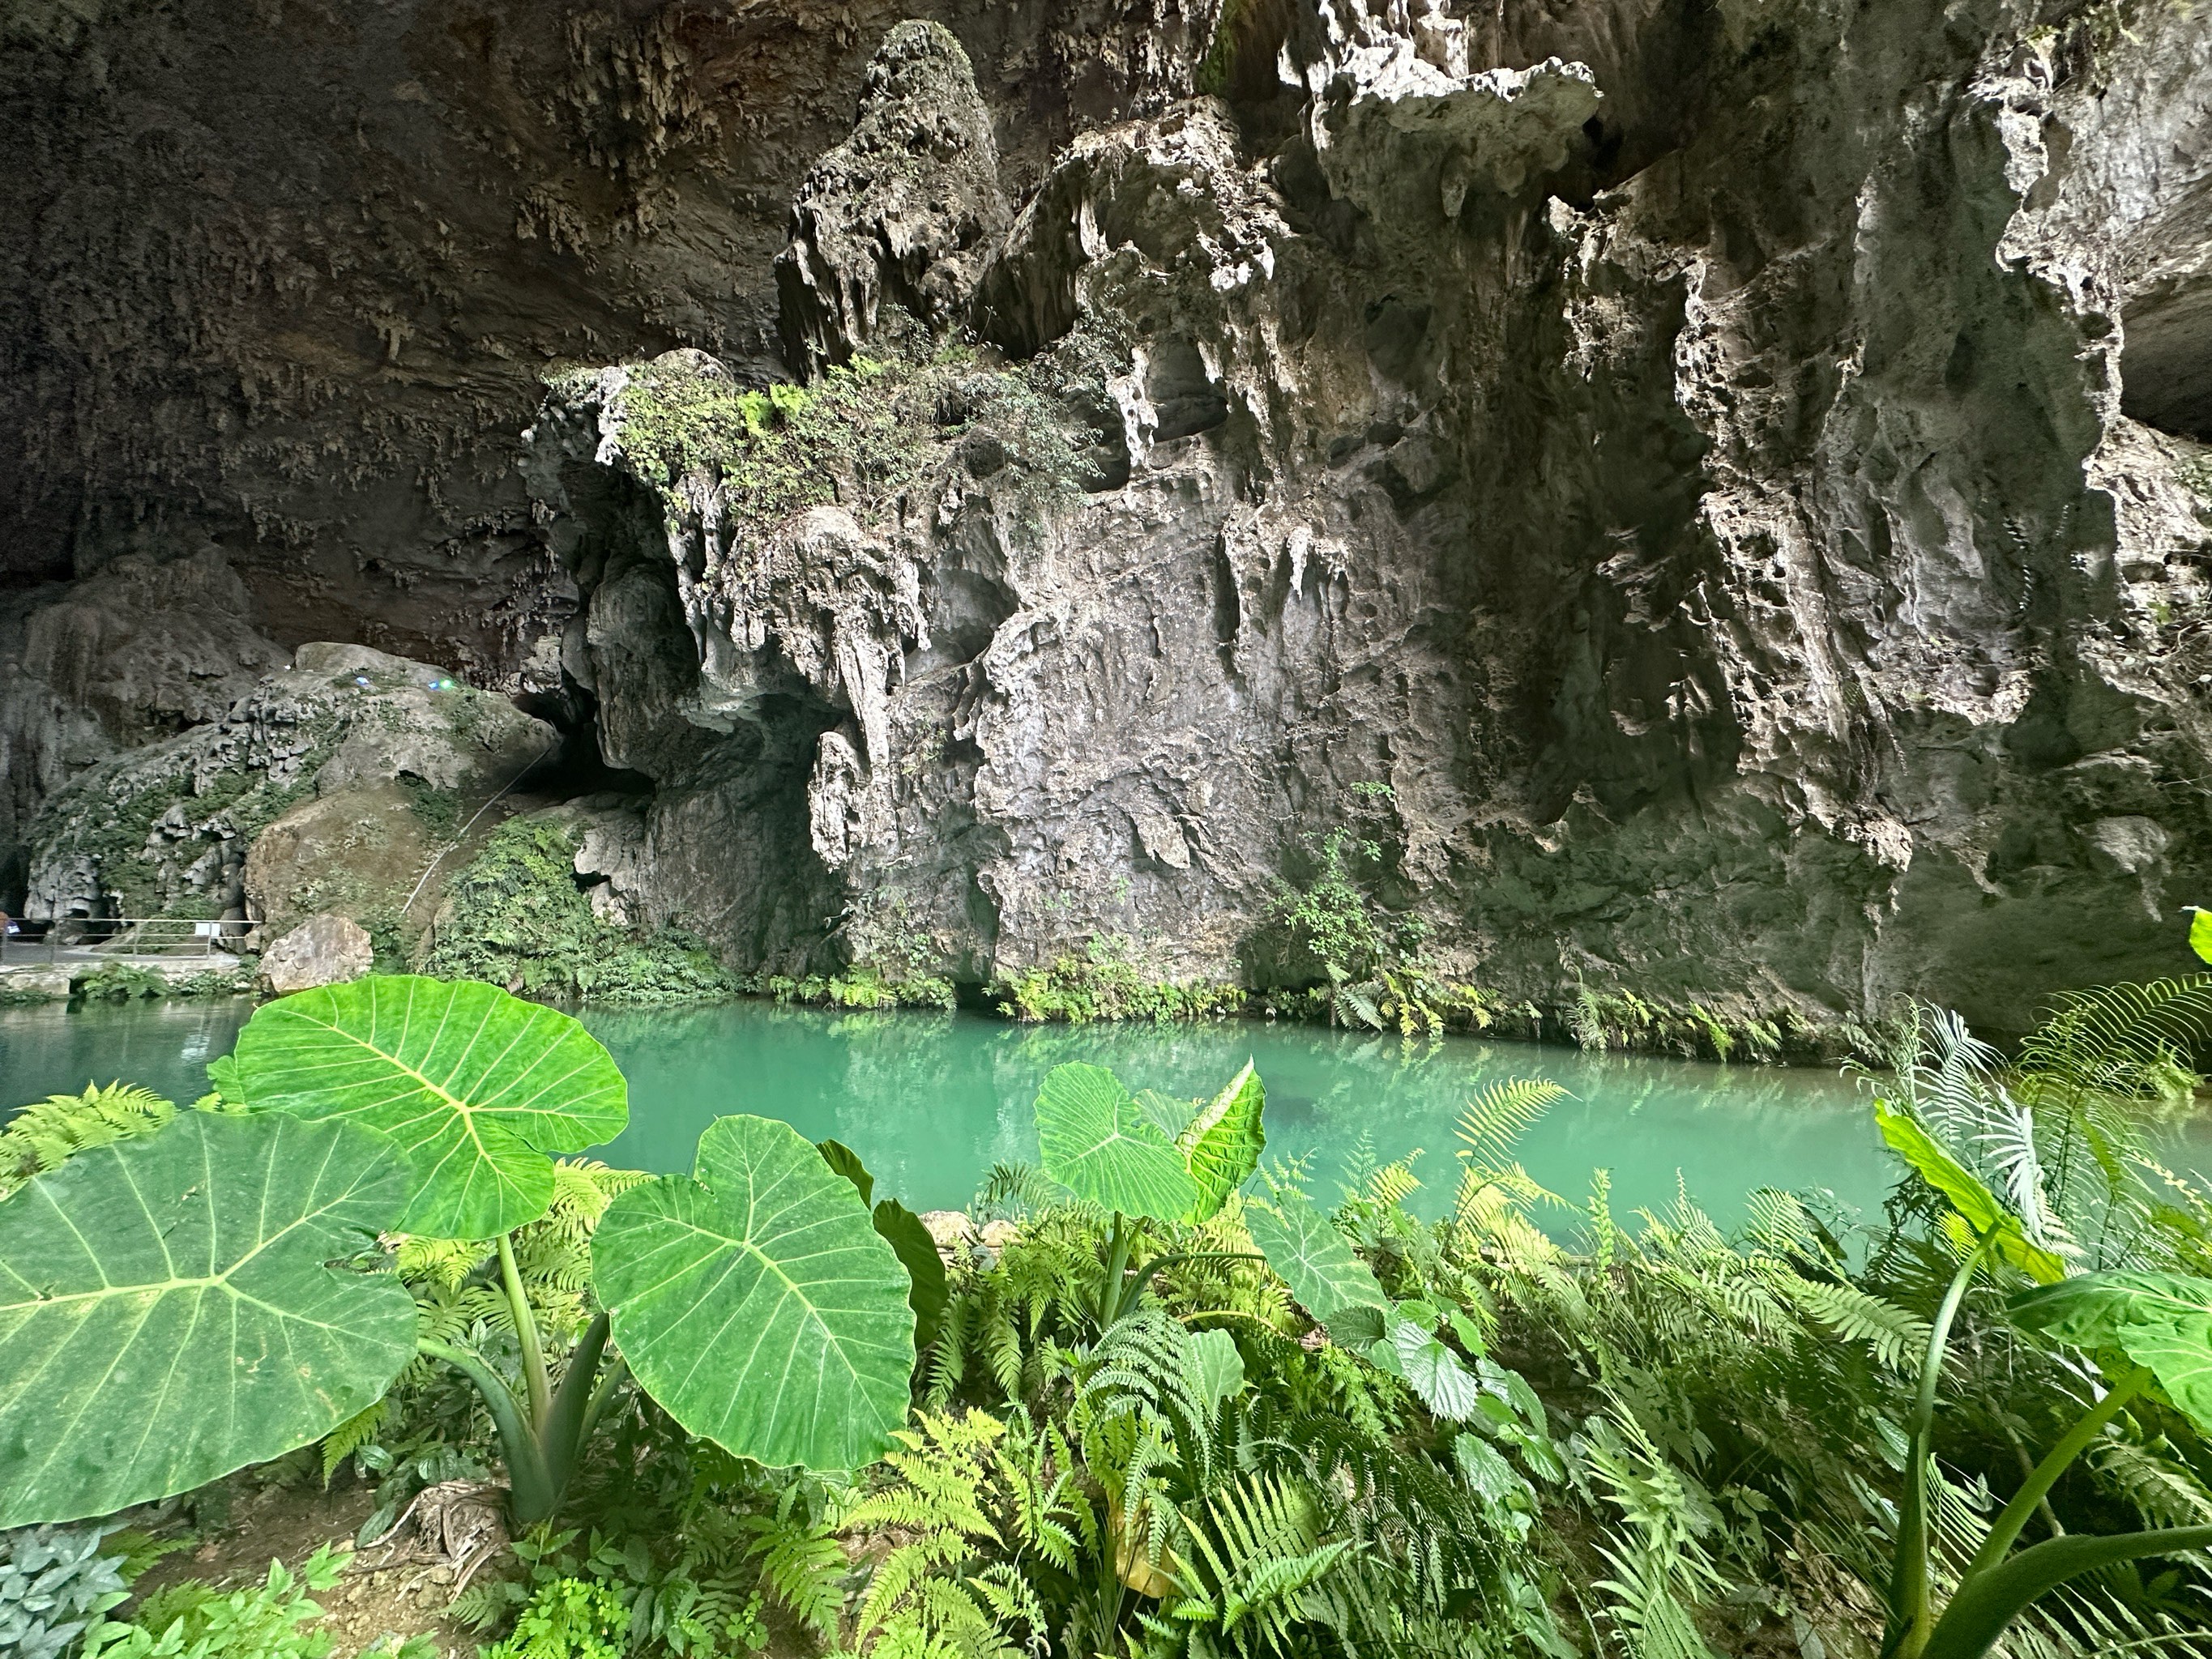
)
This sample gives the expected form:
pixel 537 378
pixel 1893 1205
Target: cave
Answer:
pixel 2166 366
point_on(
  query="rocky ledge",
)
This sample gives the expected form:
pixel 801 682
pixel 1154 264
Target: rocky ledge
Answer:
pixel 1681 525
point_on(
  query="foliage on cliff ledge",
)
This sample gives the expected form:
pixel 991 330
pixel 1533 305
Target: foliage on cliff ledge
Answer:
pixel 1107 982
pixel 857 437
pixel 518 919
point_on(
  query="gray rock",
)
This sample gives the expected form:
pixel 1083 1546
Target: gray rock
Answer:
pixel 1672 609
pixel 1736 534
pixel 902 213
pixel 359 765
pixel 320 950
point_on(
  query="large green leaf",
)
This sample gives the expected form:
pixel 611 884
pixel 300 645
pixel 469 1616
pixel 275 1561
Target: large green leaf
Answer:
pixel 169 1310
pixel 1314 1260
pixel 1221 1145
pixel 1967 1193
pixel 2200 931
pixel 2161 1321
pixel 930 1292
pixel 1216 1366
pixel 756 1302
pixel 847 1163
pixel 1098 1142
pixel 478 1087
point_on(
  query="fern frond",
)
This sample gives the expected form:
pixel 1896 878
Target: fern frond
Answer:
pixel 800 1566
pixel 1897 1337
pixel 46 1133
pixel 1500 1114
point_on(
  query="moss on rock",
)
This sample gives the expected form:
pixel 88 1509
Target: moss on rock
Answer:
pixel 516 917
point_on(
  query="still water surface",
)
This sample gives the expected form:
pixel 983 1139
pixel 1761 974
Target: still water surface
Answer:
pixel 931 1101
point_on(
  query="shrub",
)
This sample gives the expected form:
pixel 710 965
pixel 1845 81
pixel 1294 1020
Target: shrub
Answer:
pixel 195 1621
pixel 519 920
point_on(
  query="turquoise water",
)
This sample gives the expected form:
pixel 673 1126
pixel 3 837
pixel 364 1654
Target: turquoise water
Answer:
pixel 931 1101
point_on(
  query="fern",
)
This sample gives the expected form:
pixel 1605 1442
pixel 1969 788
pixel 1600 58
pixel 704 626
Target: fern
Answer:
pixel 937 1587
pixel 1897 1338
pixel 802 1567
pixel 1497 1117
pixel 46 1133
pixel 1246 1571
pixel 350 1435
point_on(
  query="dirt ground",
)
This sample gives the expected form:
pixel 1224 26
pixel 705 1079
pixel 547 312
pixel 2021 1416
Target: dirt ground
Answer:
pixel 287 1523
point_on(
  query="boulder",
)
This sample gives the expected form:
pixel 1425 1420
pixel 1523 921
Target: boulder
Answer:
pixel 320 950
pixel 33 984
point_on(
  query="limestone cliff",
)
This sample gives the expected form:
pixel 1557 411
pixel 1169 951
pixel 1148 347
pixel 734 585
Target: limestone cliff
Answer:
pixel 1710 501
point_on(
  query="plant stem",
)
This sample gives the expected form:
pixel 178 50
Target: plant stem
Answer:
pixel 530 1485
pixel 565 1428
pixel 525 1332
pixel 1117 1266
pixel 2014 1516
pixel 1910 1621
pixel 1988 1601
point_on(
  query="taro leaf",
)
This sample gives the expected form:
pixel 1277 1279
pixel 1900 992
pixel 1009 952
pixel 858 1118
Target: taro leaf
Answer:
pixel 755 1301
pixel 1218 1368
pixel 928 1291
pixel 1095 1141
pixel 1173 1116
pixel 1447 1388
pixel 847 1163
pixel 225 1083
pixel 2161 1321
pixel 170 1311
pixel 1221 1145
pixel 1967 1193
pixel 2200 932
pixel 1314 1259
pixel 1356 1327
pixel 477 1087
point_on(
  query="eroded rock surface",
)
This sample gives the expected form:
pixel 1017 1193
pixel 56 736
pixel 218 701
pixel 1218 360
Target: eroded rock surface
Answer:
pixel 327 789
pixel 1712 502
pixel 321 951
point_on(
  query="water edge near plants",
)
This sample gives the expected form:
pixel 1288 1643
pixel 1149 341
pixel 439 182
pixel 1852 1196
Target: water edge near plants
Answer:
pixel 933 1101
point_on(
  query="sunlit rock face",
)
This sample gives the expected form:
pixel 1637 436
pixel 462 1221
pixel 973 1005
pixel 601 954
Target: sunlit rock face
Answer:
pixel 1719 497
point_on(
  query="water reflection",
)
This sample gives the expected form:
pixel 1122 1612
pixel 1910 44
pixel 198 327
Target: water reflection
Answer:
pixel 933 1101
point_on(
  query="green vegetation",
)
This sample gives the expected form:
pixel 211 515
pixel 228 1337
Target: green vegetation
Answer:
pixel 1622 1019
pixel 1323 951
pixel 46 1133
pixel 862 987
pixel 113 822
pixel 1158 1399
pixel 1107 982
pixel 343 1139
pixel 54 1583
pixel 857 436
pixel 194 1621
pixel 1234 21
pixel 518 919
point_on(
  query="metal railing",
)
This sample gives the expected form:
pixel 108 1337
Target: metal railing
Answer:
pixel 76 939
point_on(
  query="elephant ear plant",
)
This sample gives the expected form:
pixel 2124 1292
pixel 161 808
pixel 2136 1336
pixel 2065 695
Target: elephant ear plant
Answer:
pixel 215 1293
pixel 1151 1159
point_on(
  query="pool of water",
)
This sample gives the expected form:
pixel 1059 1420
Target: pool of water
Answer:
pixel 931 1101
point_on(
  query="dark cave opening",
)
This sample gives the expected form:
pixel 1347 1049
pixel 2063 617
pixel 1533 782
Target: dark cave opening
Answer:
pixel 2166 365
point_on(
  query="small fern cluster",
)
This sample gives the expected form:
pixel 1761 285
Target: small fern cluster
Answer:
pixel 46 1133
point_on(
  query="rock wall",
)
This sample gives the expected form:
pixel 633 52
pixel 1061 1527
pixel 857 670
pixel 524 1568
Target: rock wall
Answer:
pixel 1710 501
